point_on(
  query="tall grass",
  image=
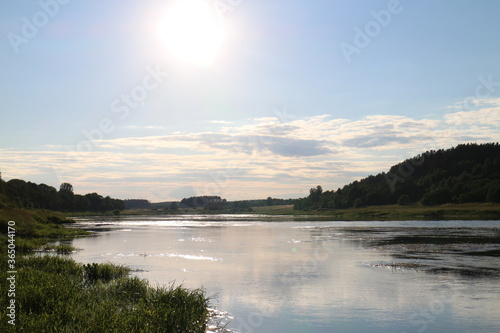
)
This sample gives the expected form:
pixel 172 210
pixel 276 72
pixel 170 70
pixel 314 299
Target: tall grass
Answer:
pixel 56 294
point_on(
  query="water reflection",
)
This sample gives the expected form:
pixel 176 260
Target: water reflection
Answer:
pixel 287 276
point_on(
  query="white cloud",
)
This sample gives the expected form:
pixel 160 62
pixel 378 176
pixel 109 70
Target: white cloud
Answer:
pixel 487 116
pixel 135 127
pixel 225 122
pixel 264 157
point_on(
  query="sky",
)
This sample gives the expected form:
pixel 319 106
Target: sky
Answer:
pixel 243 99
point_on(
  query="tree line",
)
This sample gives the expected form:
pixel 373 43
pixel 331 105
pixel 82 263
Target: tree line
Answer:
pixel 463 174
pixel 211 203
pixel 205 201
pixel 245 204
pixel 21 194
pixel 137 204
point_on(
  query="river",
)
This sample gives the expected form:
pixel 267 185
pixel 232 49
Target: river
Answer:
pixel 274 274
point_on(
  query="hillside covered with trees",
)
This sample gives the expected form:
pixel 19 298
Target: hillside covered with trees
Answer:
pixel 21 194
pixel 463 174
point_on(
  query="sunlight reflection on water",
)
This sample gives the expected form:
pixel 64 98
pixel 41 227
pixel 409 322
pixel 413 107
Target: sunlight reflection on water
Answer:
pixel 285 276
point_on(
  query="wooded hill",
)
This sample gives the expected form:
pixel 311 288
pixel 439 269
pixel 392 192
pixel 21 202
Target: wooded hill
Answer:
pixel 463 174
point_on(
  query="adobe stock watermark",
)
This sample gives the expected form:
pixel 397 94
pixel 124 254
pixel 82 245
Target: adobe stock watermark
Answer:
pixel 251 143
pixel 301 270
pixel 220 180
pixel 403 172
pixel 323 250
pixel 222 7
pixel 31 26
pixel 11 273
pixel 483 90
pixel 426 315
pixel 121 109
pixel 364 36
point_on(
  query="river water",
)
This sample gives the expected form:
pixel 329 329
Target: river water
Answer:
pixel 270 274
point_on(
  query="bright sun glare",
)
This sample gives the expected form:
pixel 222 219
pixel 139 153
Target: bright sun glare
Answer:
pixel 193 31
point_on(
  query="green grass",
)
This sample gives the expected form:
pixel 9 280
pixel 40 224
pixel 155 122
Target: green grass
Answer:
pixel 35 228
pixel 470 211
pixel 54 293
pixel 38 223
pixel 478 211
pixel 60 249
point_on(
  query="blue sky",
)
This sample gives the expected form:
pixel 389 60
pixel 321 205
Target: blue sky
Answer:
pixel 299 93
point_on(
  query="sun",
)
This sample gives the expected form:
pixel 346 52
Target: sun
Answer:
pixel 193 32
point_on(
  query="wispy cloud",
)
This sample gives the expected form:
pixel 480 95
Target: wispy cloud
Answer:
pixel 263 157
pixel 488 115
pixel 225 122
pixel 135 127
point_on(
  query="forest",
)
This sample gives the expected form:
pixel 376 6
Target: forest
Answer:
pixel 21 194
pixel 463 174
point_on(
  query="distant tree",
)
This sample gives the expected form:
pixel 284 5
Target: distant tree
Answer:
pixel 466 197
pixel 106 204
pixel 66 197
pixel 337 201
pixel 17 191
pixel 66 187
pixel 30 195
pixel 137 204
pixel 202 202
pixel 404 200
pixel 269 201
pixel 82 203
pixel 493 194
pixel 437 197
pixel 95 201
pixel 211 202
pixel 315 195
pixel 496 163
pixel 48 196
pixel 2 184
pixel 357 203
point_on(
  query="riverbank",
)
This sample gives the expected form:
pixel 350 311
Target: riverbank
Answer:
pixel 475 211
pixel 48 292
pixel 470 211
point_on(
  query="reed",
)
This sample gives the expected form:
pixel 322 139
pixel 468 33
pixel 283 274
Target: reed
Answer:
pixel 53 293
pixel 56 294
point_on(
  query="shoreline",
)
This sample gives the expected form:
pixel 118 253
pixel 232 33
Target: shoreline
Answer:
pixel 475 211
pixel 479 211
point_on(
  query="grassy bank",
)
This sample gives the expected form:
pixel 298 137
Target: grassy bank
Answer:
pixel 35 228
pixel 53 293
pixel 470 211
pixel 478 211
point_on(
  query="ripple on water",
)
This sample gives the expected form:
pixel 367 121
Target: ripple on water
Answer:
pixel 219 319
pixel 169 255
